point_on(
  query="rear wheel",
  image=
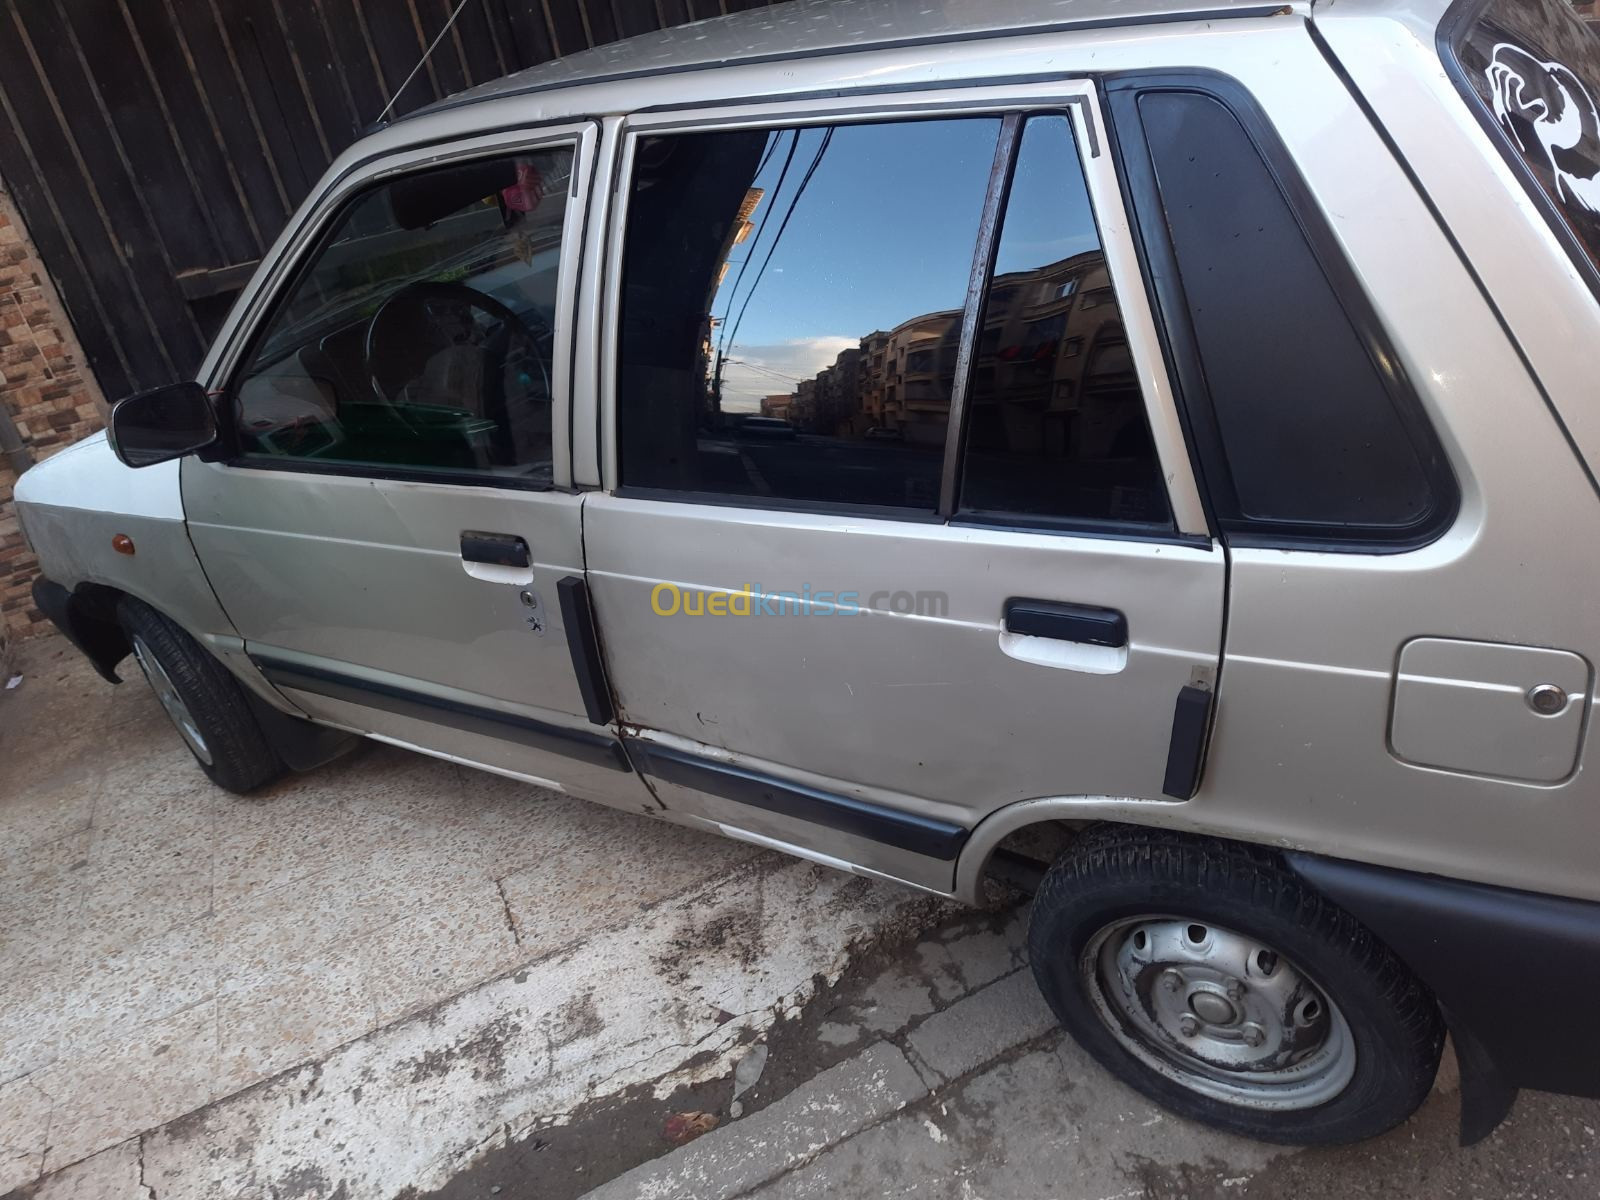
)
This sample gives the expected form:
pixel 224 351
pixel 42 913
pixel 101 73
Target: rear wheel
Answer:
pixel 206 704
pixel 1209 977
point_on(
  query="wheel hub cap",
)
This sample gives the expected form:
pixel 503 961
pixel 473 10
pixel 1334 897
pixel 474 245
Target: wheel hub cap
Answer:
pixel 167 693
pixel 1213 1009
pixel 1219 1012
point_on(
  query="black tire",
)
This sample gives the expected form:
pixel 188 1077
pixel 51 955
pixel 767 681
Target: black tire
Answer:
pixel 1114 873
pixel 241 758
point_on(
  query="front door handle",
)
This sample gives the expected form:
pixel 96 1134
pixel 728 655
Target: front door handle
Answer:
pixel 495 549
pixel 1065 622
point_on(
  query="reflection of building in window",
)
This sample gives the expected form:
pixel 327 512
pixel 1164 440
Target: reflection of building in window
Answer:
pixel 923 353
pixel 1031 358
pixel 742 227
pixel 874 382
pixel 1055 373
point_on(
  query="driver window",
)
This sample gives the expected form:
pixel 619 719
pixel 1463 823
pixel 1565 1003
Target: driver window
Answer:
pixel 419 337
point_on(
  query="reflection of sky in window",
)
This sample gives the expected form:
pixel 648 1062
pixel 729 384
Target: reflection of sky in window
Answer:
pixel 883 232
pixel 1048 217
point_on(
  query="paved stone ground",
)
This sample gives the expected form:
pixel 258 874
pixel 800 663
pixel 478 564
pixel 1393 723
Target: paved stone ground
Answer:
pixel 396 978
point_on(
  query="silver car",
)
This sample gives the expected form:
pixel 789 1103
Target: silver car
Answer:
pixel 1188 463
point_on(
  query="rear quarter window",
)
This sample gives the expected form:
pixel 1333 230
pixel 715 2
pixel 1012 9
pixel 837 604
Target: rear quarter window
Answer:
pixel 1306 429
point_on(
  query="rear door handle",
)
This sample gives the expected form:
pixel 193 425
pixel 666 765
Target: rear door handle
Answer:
pixel 495 549
pixel 1066 622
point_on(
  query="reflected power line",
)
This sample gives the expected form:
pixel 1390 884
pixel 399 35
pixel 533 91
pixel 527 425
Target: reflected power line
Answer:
pixel 794 203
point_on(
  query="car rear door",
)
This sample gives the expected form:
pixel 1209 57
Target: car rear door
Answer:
pixel 858 647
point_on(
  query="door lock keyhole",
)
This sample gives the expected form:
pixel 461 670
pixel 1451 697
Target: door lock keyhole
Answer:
pixel 1547 699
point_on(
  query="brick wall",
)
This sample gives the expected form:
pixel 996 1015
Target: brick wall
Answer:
pixel 48 393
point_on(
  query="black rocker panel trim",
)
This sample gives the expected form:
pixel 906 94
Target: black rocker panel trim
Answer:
pixel 941 840
pixel 580 744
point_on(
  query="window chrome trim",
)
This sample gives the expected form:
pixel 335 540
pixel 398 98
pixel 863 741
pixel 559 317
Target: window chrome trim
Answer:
pixel 587 436
pixel 1078 97
pixel 286 261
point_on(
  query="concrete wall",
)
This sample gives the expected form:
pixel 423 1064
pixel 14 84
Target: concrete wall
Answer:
pixel 47 392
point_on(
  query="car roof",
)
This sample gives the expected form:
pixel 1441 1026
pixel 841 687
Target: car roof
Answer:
pixel 808 28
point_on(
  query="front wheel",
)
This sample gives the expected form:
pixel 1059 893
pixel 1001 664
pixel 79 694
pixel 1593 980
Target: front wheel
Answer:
pixel 1209 977
pixel 207 705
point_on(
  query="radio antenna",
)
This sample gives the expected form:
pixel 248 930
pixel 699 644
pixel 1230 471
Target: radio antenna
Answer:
pixel 383 116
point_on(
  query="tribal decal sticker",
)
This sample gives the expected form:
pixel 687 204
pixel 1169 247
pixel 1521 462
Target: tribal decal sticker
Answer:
pixel 1549 102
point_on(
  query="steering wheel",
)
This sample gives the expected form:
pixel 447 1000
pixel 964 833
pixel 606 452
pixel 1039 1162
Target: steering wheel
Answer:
pixel 425 317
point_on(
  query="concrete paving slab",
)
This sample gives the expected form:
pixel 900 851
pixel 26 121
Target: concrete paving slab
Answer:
pixel 551 900
pixel 312 1004
pixel 103 998
pixel 46 815
pixel 155 1073
pixel 408 967
pixel 663 999
pixel 1022 1129
pixel 24 1124
pixel 836 1104
pixel 112 1174
pixel 982 1027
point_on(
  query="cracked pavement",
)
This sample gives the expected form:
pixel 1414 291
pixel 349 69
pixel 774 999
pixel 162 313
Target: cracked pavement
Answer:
pixel 395 977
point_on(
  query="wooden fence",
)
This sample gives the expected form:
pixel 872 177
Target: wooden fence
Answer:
pixel 156 147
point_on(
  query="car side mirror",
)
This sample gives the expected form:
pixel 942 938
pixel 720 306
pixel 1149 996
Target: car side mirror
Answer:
pixel 162 424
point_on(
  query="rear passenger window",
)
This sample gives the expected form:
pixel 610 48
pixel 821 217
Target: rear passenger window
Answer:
pixel 791 309
pixel 1306 425
pixel 1056 424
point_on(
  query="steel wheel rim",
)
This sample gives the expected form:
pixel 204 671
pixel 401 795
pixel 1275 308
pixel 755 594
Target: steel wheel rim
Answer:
pixel 1220 1013
pixel 167 693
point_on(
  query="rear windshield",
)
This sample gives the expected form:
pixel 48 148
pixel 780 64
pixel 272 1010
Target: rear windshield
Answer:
pixel 1534 68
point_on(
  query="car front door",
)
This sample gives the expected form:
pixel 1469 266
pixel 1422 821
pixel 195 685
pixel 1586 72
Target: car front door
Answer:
pixel 392 520
pixel 899 527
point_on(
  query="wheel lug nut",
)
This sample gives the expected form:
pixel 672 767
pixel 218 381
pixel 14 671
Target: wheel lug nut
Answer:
pixel 1253 1035
pixel 1188 1026
pixel 1171 980
pixel 1235 990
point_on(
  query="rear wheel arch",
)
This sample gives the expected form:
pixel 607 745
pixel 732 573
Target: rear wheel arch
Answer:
pixel 1001 835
